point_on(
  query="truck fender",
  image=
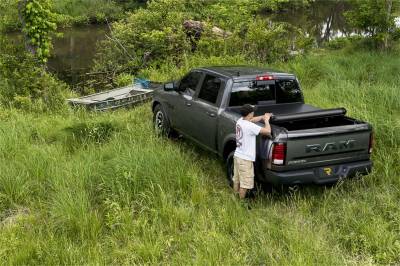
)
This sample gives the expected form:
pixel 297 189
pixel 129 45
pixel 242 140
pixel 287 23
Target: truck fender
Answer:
pixel 154 104
pixel 229 145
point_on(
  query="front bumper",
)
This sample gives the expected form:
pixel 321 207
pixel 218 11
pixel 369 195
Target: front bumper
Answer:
pixel 318 175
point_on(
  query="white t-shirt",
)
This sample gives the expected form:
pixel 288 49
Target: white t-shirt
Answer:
pixel 246 133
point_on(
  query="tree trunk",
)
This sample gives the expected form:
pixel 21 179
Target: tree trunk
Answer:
pixel 389 12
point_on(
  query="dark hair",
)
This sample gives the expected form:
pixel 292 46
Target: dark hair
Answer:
pixel 246 109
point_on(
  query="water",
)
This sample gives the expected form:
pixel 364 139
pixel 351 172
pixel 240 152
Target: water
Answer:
pixel 323 20
pixel 73 53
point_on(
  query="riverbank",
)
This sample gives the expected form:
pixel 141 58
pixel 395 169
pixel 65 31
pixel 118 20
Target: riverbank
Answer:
pixel 85 188
pixel 69 13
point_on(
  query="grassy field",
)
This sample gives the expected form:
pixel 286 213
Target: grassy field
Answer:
pixel 84 188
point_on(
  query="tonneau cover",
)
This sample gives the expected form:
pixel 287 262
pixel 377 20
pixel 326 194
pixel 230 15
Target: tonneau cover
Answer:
pixel 285 108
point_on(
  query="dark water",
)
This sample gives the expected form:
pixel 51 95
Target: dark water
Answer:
pixel 74 52
pixel 323 19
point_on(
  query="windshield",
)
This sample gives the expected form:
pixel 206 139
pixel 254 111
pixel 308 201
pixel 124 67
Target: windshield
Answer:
pixel 264 92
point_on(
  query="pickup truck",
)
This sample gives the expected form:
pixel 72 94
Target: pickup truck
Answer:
pixel 307 144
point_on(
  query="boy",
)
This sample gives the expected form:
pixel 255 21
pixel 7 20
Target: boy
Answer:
pixel 245 153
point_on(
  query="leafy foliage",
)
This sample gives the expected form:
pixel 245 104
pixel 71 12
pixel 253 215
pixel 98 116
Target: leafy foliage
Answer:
pixel 376 18
pixel 38 25
pixel 87 11
pixel 24 84
pixel 151 36
pixel 9 15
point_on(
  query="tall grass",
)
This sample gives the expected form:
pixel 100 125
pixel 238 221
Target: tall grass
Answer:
pixel 84 188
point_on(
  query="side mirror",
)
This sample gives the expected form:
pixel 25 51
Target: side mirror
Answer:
pixel 169 86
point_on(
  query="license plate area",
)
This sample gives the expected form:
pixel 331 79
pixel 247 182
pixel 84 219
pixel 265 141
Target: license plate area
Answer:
pixel 328 171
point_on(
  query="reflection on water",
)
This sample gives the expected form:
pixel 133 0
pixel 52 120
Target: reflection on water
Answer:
pixel 73 53
pixel 323 20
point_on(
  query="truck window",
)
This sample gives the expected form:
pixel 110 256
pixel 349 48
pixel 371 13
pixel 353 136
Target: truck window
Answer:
pixel 251 93
pixel 210 89
pixel 189 82
pixel 276 91
pixel 288 91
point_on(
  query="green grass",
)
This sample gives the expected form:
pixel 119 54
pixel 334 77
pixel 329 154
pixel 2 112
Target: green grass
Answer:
pixel 84 188
pixel 87 11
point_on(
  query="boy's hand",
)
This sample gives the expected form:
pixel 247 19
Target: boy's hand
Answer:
pixel 267 116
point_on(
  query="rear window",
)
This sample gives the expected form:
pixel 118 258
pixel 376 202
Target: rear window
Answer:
pixel 288 91
pixel 274 91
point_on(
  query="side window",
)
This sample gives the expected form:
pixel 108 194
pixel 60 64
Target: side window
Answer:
pixel 189 82
pixel 210 89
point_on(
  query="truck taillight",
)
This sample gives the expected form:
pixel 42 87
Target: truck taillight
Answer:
pixel 279 153
pixel 265 77
pixel 371 142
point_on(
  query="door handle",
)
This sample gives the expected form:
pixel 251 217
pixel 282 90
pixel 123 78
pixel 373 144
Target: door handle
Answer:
pixel 188 104
pixel 211 114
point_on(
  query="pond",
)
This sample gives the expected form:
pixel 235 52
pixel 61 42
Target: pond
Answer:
pixel 73 53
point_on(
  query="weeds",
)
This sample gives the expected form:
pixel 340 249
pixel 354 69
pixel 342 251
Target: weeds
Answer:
pixel 141 199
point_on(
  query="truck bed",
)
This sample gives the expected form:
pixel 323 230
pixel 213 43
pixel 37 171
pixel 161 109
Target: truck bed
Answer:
pixel 314 137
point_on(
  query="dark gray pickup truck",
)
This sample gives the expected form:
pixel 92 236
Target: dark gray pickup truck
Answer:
pixel 307 145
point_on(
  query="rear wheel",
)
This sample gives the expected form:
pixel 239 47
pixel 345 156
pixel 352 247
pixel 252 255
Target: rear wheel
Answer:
pixel 229 168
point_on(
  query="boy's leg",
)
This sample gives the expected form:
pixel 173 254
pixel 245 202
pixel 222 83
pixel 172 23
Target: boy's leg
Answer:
pixel 242 193
pixel 236 183
pixel 246 173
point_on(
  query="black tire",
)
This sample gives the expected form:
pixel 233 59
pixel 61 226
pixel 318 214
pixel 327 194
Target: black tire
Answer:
pixel 229 168
pixel 161 122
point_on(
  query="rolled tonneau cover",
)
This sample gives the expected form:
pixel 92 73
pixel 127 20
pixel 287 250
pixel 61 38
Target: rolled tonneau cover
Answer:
pixel 308 115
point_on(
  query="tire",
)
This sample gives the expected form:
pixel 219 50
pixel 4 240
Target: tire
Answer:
pixel 229 168
pixel 161 122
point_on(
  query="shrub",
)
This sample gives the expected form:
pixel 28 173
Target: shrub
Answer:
pixel 376 19
pixel 25 84
pixel 148 38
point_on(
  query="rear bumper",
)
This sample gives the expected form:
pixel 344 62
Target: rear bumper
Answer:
pixel 318 175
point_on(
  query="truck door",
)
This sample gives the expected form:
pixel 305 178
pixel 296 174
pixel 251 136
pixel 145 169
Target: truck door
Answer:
pixel 204 111
pixel 183 101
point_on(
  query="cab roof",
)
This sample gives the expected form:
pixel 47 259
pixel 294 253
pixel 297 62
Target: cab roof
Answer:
pixel 240 72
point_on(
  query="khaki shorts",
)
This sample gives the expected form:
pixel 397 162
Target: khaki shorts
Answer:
pixel 243 173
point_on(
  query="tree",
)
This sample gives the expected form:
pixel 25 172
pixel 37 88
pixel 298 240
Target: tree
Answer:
pixel 376 19
pixel 38 23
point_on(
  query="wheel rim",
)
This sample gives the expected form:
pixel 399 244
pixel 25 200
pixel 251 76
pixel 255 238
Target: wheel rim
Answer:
pixel 159 122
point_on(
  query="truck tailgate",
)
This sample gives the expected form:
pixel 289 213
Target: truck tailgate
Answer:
pixel 327 146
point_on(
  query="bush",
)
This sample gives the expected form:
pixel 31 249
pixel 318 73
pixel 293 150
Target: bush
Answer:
pixel 376 19
pixel 25 84
pixel 155 36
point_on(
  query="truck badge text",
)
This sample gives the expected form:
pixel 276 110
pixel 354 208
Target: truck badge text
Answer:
pixel 331 146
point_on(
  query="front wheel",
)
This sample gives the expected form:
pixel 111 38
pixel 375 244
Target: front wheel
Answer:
pixel 161 122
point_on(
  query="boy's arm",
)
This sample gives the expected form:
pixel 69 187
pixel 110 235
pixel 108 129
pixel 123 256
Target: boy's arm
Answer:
pixel 257 119
pixel 266 130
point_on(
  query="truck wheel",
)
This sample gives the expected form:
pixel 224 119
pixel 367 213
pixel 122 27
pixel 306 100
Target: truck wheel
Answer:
pixel 161 122
pixel 229 168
